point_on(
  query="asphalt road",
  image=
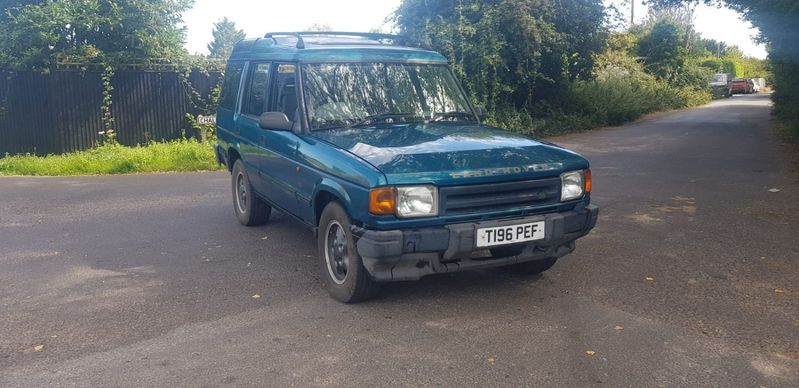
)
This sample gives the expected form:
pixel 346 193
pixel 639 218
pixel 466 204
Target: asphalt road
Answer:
pixel 690 279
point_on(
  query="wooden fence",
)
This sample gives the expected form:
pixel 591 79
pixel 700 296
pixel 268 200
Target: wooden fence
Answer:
pixel 61 111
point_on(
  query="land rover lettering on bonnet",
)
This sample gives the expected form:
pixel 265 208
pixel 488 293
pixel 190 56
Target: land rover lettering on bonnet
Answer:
pixel 375 147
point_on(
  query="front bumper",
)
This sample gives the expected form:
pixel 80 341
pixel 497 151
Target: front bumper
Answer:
pixel 411 254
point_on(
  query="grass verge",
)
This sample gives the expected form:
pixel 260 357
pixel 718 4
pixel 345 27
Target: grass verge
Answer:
pixel 177 155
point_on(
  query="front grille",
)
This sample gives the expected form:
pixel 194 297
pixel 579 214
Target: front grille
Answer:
pixel 457 200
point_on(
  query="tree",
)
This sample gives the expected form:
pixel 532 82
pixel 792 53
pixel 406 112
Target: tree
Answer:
pixel 776 20
pixel 37 34
pixel 662 50
pixel 225 37
pixel 682 16
pixel 6 5
pixel 509 53
pixel 319 27
pixel 715 47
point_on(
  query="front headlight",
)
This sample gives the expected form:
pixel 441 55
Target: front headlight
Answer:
pixel 572 185
pixel 417 201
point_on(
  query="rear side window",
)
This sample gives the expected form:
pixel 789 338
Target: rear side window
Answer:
pixel 255 98
pixel 230 86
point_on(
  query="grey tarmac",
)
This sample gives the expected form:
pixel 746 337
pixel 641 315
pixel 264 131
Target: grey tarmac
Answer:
pixel 691 278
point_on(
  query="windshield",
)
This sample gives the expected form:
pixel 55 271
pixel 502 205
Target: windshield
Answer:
pixel 349 95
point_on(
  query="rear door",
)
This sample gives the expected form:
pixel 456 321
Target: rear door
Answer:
pixel 226 111
pixel 253 103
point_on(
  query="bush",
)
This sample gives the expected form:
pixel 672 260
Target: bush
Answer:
pixel 614 97
pixel 786 93
pixel 542 123
pixel 689 97
pixel 616 100
pixel 793 128
pixel 178 155
pixel 623 93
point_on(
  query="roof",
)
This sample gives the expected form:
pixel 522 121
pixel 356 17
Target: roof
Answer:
pixel 326 47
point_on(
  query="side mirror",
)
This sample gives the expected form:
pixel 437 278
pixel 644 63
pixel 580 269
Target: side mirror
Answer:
pixel 277 121
pixel 481 112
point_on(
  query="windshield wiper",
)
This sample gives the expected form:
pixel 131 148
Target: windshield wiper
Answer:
pixel 452 115
pixel 372 119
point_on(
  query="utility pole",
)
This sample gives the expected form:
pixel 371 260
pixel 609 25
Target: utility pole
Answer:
pixel 632 13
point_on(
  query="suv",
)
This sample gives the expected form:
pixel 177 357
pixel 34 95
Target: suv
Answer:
pixel 376 148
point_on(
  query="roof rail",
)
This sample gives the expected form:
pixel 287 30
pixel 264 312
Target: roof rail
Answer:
pixel 301 42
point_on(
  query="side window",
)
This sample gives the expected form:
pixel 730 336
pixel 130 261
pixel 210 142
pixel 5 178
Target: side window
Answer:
pixel 230 85
pixel 284 91
pixel 255 99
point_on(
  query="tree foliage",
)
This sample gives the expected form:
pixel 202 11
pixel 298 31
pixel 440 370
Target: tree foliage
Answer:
pixel 546 66
pixel 777 22
pixel 37 34
pixel 319 27
pixel 510 53
pixel 680 16
pixel 662 49
pixel 715 47
pixel 226 35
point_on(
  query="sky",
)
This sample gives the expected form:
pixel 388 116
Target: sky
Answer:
pixel 257 17
pixel 722 24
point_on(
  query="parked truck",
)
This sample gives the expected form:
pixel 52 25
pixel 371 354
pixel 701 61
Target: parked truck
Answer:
pixel 720 85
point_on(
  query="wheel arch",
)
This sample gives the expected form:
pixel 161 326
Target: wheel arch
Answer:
pixel 232 156
pixel 328 191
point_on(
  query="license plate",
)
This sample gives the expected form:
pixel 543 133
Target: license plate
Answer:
pixel 511 234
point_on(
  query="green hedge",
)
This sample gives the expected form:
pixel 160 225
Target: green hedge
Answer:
pixel 786 93
pixel 608 100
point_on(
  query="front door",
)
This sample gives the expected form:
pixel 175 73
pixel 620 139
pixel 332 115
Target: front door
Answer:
pixel 269 153
pixel 280 167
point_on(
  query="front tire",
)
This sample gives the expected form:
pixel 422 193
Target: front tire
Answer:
pixel 250 209
pixel 346 279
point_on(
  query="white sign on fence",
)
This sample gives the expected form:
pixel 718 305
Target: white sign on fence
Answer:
pixel 206 120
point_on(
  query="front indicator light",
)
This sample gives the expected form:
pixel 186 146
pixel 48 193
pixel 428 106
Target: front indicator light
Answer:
pixel 588 185
pixel 382 201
